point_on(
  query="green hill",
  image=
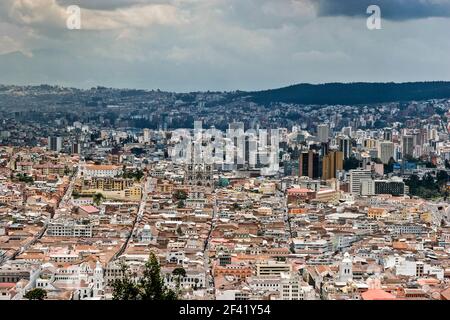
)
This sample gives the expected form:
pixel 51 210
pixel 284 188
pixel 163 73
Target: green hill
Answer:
pixel 353 93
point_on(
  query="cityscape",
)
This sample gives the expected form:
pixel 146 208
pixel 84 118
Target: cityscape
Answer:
pixel 224 150
pixel 354 204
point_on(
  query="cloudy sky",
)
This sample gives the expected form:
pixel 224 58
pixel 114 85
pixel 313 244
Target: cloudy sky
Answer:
pixel 187 45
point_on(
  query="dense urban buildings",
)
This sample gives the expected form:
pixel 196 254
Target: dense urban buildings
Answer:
pixel 353 206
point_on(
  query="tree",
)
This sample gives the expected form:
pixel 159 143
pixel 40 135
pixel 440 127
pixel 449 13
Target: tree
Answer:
pixel 180 195
pixel 389 168
pixel 152 285
pixel 98 198
pixel 351 163
pixel 24 178
pixel 179 273
pixel 36 294
pixel 149 287
pixel 442 177
pixel 125 288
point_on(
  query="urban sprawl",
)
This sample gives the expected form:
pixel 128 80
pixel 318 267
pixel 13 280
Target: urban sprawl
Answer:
pixel 352 206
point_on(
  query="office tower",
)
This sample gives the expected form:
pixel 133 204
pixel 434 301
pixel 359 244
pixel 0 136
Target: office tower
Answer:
pixel 420 137
pixel 356 178
pixel 367 187
pixel 323 132
pixel 331 163
pixel 76 148
pixel 147 135
pixel 324 148
pixel 239 142
pixel 387 134
pixel 309 164
pixel 347 131
pixel 386 151
pixel 408 145
pixel 370 143
pixel 236 126
pixel 393 187
pixel 345 145
pixel 55 143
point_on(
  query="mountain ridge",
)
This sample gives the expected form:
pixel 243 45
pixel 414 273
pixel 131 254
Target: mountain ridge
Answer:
pixel 354 93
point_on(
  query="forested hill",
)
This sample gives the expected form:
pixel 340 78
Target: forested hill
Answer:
pixel 353 93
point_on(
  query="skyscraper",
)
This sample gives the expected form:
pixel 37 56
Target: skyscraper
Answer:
pixel 76 148
pixel 323 132
pixel 386 151
pixel 387 134
pixel 331 163
pixel 408 145
pixel 147 135
pixel 345 145
pixel 309 164
pixel 55 143
pixel 356 178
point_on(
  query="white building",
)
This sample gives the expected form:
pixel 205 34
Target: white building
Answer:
pixel 69 228
pixel 386 151
pixel 293 288
pixel 102 171
pixel 356 178
pixel 346 269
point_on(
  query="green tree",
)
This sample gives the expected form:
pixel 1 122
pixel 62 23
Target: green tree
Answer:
pixel 180 195
pixel 125 288
pixel 179 273
pixel 180 204
pixel 149 287
pixel 24 178
pixel 351 163
pixel 36 294
pixel 151 284
pixel 98 198
pixel 442 178
pixel 389 167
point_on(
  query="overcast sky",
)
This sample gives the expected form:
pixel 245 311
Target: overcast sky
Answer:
pixel 187 45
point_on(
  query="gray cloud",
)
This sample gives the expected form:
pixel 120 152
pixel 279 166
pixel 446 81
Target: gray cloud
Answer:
pixel 391 9
pixel 214 44
pixel 107 4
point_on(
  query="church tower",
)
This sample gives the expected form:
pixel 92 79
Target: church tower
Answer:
pixel 200 175
pixel 98 280
pixel 346 269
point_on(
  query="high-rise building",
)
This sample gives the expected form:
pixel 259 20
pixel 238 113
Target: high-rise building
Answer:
pixel 386 151
pixel 309 164
pixel 387 134
pixel 323 132
pixel 239 142
pixel 345 145
pixel 76 148
pixel 331 163
pixel 393 187
pixel 55 143
pixel 407 145
pixel 347 131
pixel 147 136
pixel 356 178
